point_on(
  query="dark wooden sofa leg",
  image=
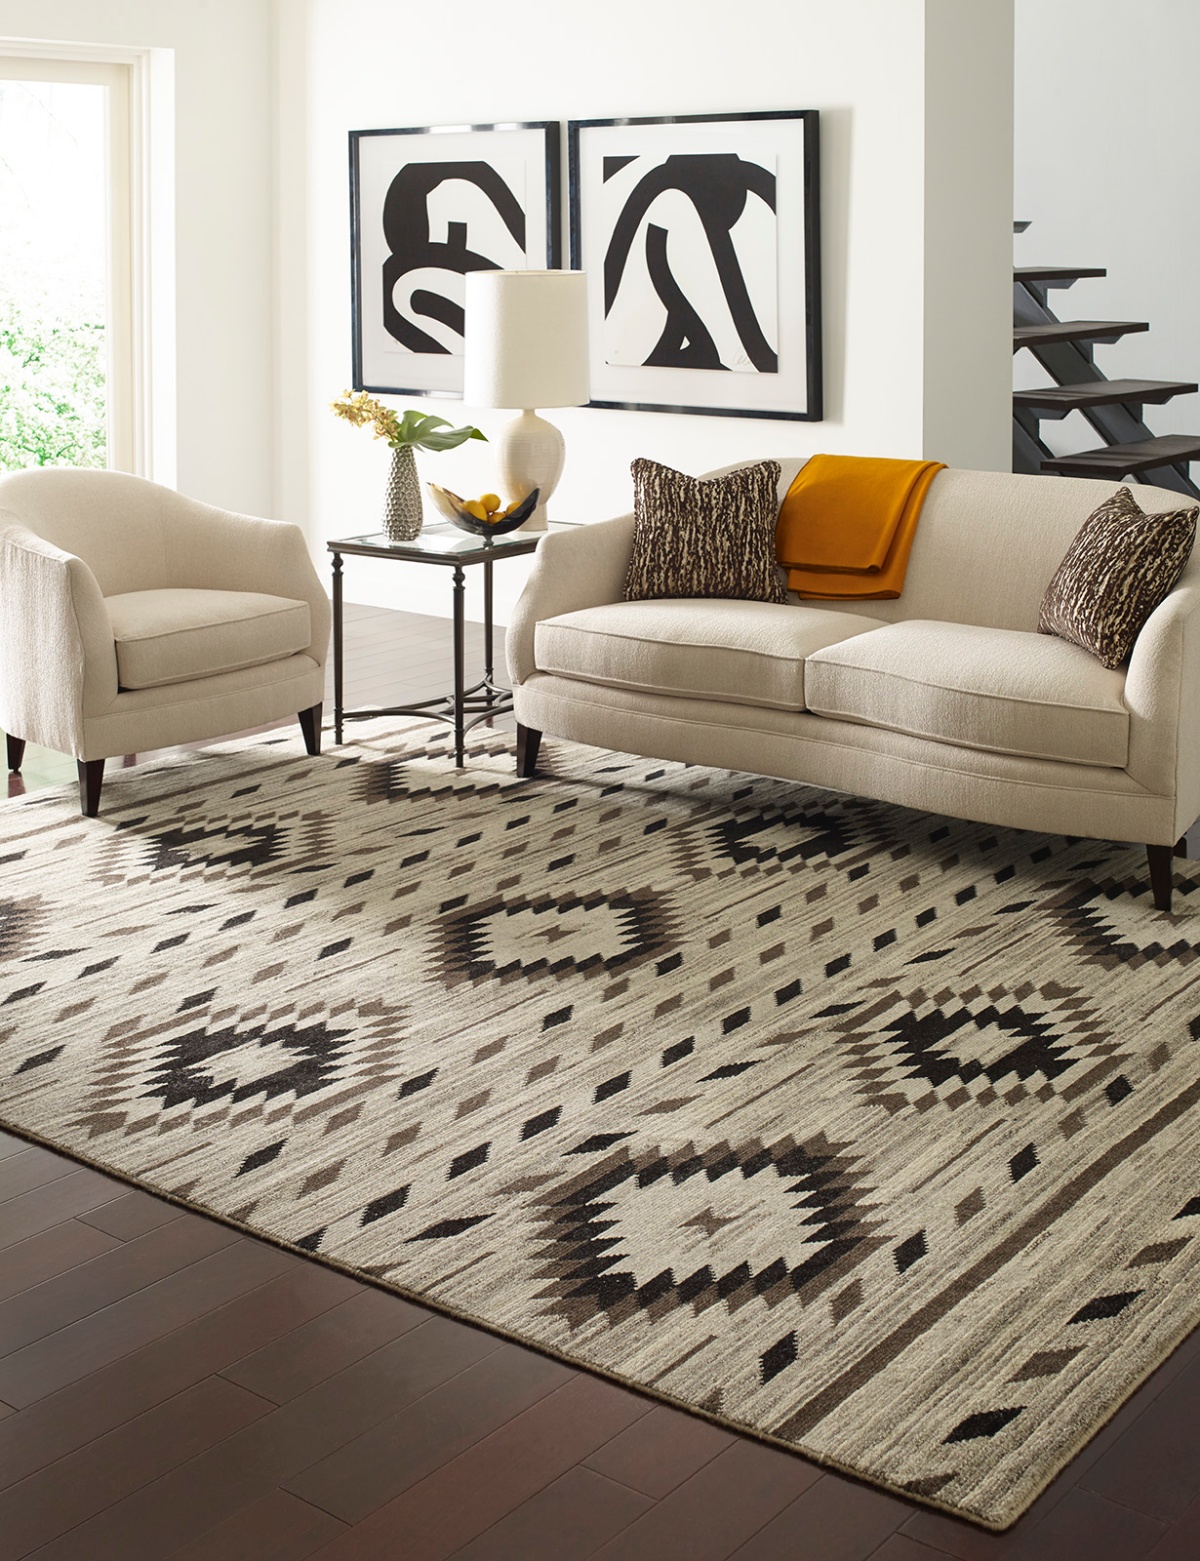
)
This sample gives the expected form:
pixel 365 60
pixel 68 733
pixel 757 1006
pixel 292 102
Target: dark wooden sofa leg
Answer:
pixel 91 778
pixel 529 740
pixel 16 752
pixel 310 725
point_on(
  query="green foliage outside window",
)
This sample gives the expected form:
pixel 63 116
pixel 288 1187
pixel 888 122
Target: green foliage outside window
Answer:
pixel 52 388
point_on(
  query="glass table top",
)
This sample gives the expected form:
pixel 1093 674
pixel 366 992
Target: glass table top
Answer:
pixel 446 541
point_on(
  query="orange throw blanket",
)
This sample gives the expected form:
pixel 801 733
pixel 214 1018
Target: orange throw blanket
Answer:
pixel 847 524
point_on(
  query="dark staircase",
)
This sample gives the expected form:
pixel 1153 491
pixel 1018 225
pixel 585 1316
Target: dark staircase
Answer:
pixel 1113 407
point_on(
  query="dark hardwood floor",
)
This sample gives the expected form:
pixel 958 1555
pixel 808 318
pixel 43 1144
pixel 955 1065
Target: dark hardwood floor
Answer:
pixel 172 1389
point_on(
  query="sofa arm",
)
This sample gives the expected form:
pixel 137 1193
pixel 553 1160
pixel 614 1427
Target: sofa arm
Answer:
pixel 58 661
pixel 1162 691
pixel 215 549
pixel 583 567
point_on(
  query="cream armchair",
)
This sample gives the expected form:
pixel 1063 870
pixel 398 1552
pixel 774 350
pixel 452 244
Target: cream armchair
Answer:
pixel 132 618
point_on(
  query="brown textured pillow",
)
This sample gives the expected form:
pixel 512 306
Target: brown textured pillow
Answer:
pixel 1120 566
pixel 705 536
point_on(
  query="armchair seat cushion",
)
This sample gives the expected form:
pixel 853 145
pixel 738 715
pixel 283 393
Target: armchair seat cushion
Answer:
pixel 174 636
pixel 746 653
pixel 1000 690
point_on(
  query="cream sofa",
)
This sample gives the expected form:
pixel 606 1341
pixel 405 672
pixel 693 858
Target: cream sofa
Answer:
pixel 946 699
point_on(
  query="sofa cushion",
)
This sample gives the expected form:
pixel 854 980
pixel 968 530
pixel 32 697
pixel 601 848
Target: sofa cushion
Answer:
pixel 1120 566
pixel 172 636
pixel 705 536
pixel 1003 690
pixel 748 653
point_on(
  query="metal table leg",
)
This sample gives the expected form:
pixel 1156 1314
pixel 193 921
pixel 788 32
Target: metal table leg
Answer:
pixel 337 647
pixel 488 656
pixel 460 592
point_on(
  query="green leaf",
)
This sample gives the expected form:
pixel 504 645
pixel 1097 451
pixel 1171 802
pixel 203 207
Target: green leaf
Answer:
pixel 410 427
pixel 447 441
pixel 422 431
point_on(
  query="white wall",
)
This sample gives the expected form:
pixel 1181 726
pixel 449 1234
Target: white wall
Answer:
pixel 968 223
pixel 1107 163
pixel 863 63
pixel 224 228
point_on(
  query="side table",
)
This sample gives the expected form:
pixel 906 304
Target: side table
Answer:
pixel 453 549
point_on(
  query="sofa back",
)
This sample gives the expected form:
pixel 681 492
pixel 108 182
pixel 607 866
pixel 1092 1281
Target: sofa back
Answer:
pixel 987 544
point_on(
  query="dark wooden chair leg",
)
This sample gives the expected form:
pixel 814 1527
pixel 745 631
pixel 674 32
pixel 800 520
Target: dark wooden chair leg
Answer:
pixel 310 725
pixel 1159 858
pixel 1161 878
pixel 529 740
pixel 91 778
pixel 16 752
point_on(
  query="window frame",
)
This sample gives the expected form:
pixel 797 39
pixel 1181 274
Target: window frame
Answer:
pixel 140 339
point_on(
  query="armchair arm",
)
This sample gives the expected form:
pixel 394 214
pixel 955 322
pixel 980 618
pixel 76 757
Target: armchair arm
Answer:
pixel 215 549
pixel 584 567
pixel 1162 691
pixel 58 661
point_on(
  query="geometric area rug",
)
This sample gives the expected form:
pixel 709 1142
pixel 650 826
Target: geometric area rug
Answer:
pixel 869 1132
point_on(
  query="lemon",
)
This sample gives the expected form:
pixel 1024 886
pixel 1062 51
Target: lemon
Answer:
pixel 490 501
pixel 474 508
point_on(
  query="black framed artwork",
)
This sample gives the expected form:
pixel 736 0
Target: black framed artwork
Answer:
pixel 427 205
pixel 700 235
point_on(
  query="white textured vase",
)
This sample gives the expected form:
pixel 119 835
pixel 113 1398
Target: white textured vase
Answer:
pixel 531 453
pixel 402 511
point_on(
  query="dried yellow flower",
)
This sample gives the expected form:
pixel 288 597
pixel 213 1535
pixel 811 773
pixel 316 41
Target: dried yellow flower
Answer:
pixel 410 428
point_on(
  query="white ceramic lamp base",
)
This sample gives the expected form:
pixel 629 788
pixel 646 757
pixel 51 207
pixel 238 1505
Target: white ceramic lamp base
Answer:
pixel 531 452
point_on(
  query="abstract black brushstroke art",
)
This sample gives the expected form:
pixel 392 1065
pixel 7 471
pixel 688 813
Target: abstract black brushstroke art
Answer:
pixel 429 205
pixel 683 288
pixel 700 237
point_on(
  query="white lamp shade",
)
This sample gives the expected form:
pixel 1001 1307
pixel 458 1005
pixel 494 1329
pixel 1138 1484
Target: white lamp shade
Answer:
pixel 526 339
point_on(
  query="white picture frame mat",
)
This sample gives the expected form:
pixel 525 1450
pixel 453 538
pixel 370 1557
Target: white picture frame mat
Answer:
pixel 775 142
pixel 380 157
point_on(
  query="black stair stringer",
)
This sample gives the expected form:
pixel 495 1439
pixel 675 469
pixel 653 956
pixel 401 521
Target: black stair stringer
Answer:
pixel 1073 363
pixel 1028 450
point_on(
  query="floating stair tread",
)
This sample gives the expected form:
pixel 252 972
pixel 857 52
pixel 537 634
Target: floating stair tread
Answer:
pixel 1063 276
pixel 1075 330
pixel 1103 393
pixel 1115 460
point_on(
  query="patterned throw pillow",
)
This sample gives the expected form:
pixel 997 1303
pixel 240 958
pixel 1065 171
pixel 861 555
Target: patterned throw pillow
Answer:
pixel 697 536
pixel 1120 566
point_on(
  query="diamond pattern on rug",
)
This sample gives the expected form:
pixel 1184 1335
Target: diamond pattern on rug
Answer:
pixel 635 1233
pixel 753 838
pixel 864 1130
pixel 555 935
pixel 284 1062
pixel 1107 925
pixel 918 1049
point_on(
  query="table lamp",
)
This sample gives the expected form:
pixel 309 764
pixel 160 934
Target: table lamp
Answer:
pixel 527 347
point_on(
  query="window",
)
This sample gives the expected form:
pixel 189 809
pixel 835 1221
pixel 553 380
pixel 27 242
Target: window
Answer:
pixel 86 226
